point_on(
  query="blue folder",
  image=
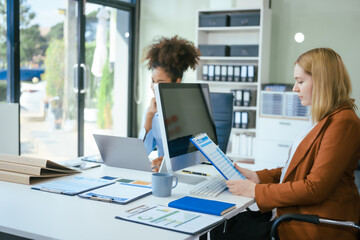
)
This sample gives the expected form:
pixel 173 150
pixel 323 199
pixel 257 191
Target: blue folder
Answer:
pixel 202 205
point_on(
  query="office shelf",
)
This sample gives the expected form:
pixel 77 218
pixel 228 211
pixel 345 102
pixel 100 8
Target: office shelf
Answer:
pixel 238 35
pixel 229 29
pixel 248 59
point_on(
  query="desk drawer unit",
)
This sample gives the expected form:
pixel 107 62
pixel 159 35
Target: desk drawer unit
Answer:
pixel 280 129
pixel 274 139
pixel 272 151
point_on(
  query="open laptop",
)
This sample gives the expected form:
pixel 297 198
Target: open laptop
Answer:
pixel 123 152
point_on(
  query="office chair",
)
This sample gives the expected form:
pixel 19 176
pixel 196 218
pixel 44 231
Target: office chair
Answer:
pixel 222 106
pixel 307 218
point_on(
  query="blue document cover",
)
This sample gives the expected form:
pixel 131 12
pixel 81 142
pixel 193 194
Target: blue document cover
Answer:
pixel 202 205
pixel 214 154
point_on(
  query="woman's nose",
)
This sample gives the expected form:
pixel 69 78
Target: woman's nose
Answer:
pixel 295 88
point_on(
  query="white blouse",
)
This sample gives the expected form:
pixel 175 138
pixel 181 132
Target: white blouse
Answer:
pixel 294 146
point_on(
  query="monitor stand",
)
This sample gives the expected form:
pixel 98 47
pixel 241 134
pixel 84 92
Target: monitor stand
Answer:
pixel 189 179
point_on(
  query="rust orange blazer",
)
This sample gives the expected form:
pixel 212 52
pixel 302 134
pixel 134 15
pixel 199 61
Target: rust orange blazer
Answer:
pixel 319 180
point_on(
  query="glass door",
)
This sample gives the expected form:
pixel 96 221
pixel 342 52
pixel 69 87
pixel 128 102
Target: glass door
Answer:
pixel 107 51
pixel 76 59
pixel 48 59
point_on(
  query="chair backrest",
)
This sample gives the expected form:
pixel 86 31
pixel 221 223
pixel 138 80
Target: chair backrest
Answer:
pixel 222 107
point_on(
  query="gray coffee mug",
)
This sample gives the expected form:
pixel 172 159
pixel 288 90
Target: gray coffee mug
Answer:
pixel 162 183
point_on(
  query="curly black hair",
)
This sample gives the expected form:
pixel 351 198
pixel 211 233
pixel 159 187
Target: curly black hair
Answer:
pixel 175 55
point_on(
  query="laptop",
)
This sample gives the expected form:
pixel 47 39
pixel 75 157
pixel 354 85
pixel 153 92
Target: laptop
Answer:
pixel 123 152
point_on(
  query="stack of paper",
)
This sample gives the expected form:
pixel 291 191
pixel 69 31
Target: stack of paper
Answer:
pixel 26 170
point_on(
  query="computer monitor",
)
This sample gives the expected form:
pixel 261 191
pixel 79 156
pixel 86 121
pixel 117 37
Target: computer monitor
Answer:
pixel 184 111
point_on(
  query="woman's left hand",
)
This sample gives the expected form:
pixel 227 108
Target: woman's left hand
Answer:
pixel 155 164
pixel 244 187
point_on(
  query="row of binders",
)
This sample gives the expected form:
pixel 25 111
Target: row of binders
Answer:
pixel 229 73
pixel 244 119
pixel 242 145
pixel 244 98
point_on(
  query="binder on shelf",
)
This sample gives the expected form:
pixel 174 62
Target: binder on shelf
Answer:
pixel 205 70
pixel 246 98
pixel 243 74
pixel 230 73
pixel 243 145
pixel 223 73
pixel 26 170
pixel 236 73
pixel 251 73
pixel 202 205
pixel 239 98
pixel 244 119
pixel 211 73
pixel 217 72
pixel 237 119
pixel 235 149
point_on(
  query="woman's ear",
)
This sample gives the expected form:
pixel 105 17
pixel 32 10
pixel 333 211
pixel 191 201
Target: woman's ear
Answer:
pixel 178 80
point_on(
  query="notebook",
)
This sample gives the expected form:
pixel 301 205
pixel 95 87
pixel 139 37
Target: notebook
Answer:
pixel 202 205
pixel 123 152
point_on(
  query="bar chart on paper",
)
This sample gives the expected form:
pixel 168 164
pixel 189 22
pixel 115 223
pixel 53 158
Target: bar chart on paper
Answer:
pixel 172 219
pixel 214 154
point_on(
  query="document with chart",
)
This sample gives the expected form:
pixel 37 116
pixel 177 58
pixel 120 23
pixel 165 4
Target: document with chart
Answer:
pixel 171 218
pixel 214 154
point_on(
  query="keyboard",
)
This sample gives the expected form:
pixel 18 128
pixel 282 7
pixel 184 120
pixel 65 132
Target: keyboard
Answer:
pixel 210 187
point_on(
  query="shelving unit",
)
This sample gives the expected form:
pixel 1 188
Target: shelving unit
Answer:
pixel 238 35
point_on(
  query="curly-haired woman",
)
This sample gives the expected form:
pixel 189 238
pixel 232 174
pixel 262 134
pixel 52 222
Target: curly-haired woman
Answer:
pixel 168 58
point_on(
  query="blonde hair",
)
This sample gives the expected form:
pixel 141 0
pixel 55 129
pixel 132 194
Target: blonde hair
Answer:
pixel 331 81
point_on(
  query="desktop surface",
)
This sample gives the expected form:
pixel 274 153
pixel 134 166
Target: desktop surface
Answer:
pixel 42 215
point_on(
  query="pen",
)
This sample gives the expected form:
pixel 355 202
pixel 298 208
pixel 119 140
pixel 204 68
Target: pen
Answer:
pixel 196 173
pixel 155 166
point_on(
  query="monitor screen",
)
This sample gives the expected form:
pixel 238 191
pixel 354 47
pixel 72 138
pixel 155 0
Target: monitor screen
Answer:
pixel 184 111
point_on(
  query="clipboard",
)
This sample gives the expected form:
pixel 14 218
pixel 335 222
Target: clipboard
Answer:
pixel 72 186
pixel 214 154
pixel 120 193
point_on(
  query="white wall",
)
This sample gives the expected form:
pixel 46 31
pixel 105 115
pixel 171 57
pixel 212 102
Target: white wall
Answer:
pixel 325 23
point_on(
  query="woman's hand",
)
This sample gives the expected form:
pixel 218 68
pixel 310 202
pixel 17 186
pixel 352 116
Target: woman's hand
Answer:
pixel 150 115
pixel 152 108
pixel 155 164
pixel 244 187
pixel 250 175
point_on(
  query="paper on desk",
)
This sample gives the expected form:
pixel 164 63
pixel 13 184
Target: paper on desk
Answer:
pixel 72 185
pixel 119 192
pixel 171 219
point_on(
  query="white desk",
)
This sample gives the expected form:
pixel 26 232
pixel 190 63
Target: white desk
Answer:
pixel 42 215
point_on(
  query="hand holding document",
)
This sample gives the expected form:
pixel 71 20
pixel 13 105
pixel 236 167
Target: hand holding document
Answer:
pixel 214 154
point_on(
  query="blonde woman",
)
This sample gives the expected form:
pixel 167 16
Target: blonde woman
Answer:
pixel 318 177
